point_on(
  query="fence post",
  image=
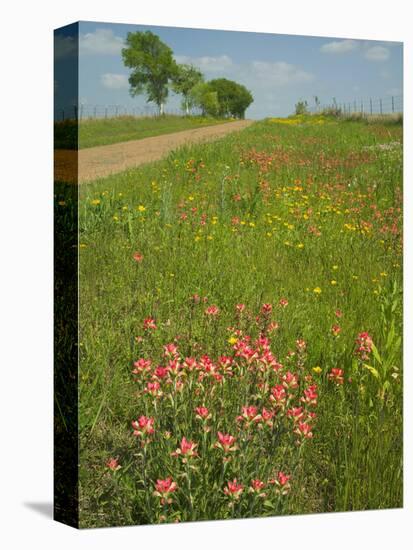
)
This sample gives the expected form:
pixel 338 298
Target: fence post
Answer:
pixel 381 107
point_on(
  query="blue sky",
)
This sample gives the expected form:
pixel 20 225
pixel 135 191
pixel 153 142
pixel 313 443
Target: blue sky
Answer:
pixel 278 69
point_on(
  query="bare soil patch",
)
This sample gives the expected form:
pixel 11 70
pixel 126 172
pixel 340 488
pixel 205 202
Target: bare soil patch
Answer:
pixel 97 162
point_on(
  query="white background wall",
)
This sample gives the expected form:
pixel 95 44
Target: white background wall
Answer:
pixel 26 271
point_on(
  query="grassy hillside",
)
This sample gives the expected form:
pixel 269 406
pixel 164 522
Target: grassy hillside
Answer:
pixel 104 131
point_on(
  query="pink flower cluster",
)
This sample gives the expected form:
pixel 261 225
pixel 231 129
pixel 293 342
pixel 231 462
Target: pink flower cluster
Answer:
pixel 143 428
pixel 364 346
pixel 282 394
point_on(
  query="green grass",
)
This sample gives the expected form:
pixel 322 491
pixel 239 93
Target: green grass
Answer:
pixel 102 131
pixel 307 209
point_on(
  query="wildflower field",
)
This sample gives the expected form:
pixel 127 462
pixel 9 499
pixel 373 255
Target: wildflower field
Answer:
pixel 241 327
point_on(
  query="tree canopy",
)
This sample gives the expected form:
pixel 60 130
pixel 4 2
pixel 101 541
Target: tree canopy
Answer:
pixel 154 71
pixel 233 98
pixel 186 78
pixel 153 66
pixel 205 98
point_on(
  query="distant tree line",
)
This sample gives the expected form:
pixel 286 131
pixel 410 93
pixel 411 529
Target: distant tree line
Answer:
pixel 155 71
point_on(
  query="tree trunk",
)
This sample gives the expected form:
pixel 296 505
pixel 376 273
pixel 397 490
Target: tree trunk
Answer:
pixel 161 109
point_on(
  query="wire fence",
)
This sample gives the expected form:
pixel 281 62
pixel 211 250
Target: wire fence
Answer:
pixel 87 112
pixel 367 106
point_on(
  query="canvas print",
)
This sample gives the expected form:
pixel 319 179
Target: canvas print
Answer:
pixel 228 274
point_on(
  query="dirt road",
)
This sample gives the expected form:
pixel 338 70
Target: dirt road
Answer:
pixel 97 162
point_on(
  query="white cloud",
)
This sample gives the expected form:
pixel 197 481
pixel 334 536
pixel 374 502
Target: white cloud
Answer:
pixel 279 73
pixel 339 47
pixel 377 53
pixel 256 74
pixel 206 63
pixel 100 42
pixel 114 81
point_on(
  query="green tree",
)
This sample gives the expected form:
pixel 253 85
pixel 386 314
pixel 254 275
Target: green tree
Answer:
pixel 186 78
pixel 233 98
pixel 203 96
pixel 152 64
